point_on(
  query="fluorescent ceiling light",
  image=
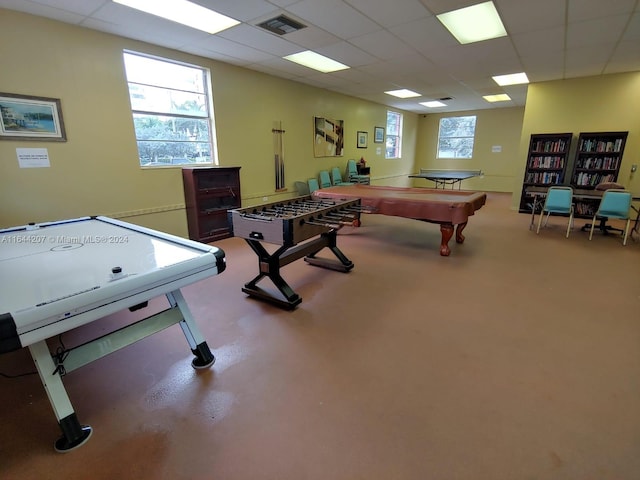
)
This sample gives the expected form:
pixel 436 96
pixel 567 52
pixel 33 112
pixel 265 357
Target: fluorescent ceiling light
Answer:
pixel 501 97
pixel 433 104
pixel 511 79
pixel 184 12
pixel 403 93
pixel 316 61
pixel 474 24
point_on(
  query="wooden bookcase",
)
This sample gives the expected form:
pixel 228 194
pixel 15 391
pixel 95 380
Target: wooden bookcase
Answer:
pixel 598 158
pixel 547 160
pixel 209 193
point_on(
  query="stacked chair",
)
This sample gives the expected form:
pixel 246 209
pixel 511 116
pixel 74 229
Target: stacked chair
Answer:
pixel 302 188
pixel 336 178
pixel 313 184
pixel 325 179
pixel 354 176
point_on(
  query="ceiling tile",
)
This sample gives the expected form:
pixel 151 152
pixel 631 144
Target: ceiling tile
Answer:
pixel 390 44
pixel 335 17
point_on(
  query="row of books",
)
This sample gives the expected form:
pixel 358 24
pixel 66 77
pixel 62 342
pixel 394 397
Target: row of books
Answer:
pixel 595 145
pixel 581 208
pixel 549 146
pixel 546 162
pixel 602 163
pixel 544 178
pixel 586 179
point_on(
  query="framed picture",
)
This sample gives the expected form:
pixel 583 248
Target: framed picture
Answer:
pixel 23 117
pixel 378 135
pixel 362 139
pixel 328 137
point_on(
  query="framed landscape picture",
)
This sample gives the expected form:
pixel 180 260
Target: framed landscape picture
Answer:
pixel 24 117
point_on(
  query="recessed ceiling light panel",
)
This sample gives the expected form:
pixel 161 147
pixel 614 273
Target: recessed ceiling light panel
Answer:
pixel 403 93
pixel 316 61
pixel 511 79
pixel 501 97
pixel 433 104
pixel 474 24
pixel 184 12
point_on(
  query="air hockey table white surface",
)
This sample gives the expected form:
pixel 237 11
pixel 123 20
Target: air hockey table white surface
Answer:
pixel 57 276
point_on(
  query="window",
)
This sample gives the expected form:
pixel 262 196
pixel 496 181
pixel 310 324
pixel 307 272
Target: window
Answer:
pixel 172 111
pixel 394 135
pixel 456 135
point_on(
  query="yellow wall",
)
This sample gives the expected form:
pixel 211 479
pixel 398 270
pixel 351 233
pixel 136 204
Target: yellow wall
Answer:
pixel 494 128
pixel 96 170
pixel 607 103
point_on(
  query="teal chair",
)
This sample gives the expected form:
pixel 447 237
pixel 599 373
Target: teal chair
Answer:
pixel 302 188
pixel 615 203
pixel 313 185
pixel 354 176
pixel 336 178
pixel 325 179
pixel 559 201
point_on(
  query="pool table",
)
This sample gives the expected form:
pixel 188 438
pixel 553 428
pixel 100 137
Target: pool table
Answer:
pixel 446 208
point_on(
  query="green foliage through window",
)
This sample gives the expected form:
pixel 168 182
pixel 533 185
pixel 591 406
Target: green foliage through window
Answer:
pixel 171 111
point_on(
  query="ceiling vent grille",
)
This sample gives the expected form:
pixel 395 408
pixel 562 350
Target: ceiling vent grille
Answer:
pixel 281 25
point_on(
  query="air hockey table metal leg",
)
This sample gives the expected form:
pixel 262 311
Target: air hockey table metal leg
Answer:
pixel 73 434
pixel 204 357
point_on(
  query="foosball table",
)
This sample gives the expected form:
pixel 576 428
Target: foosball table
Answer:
pixel 301 227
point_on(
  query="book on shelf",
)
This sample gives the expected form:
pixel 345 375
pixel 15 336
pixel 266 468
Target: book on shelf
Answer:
pixel 595 145
pixel 546 162
pixel 589 179
pixel 549 146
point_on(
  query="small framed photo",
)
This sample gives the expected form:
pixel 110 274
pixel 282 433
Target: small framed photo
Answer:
pixel 24 117
pixel 378 135
pixel 362 139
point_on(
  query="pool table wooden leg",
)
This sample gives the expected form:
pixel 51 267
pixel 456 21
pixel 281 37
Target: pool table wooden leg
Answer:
pixel 459 235
pixel 446 229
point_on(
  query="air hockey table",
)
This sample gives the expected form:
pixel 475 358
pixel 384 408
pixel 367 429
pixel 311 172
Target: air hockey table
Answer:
pixel 58 276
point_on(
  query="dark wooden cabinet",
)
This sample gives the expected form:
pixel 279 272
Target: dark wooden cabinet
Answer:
pixel 209 193
pixel 547 160
pixel 598 159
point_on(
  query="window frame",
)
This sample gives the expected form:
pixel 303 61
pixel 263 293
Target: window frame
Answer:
pixel 456 137
pixel 162 115
pixel 393 138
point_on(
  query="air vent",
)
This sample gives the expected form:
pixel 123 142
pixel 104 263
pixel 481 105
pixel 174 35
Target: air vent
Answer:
pixel 281 25
pixel 443 99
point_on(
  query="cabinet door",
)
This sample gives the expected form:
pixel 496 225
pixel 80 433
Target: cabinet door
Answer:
pixel 213 226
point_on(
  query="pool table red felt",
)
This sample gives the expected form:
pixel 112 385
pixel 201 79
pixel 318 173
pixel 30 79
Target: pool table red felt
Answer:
pixel 445 207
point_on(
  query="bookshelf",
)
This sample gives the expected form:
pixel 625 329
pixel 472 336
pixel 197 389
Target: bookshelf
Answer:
pixel 209 193
pixel 598 158
pixel 546 164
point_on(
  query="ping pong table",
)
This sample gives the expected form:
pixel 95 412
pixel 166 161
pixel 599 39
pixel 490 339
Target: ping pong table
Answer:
pixel 447 177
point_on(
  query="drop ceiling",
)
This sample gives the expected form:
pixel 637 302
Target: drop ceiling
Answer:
pixel 391 44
